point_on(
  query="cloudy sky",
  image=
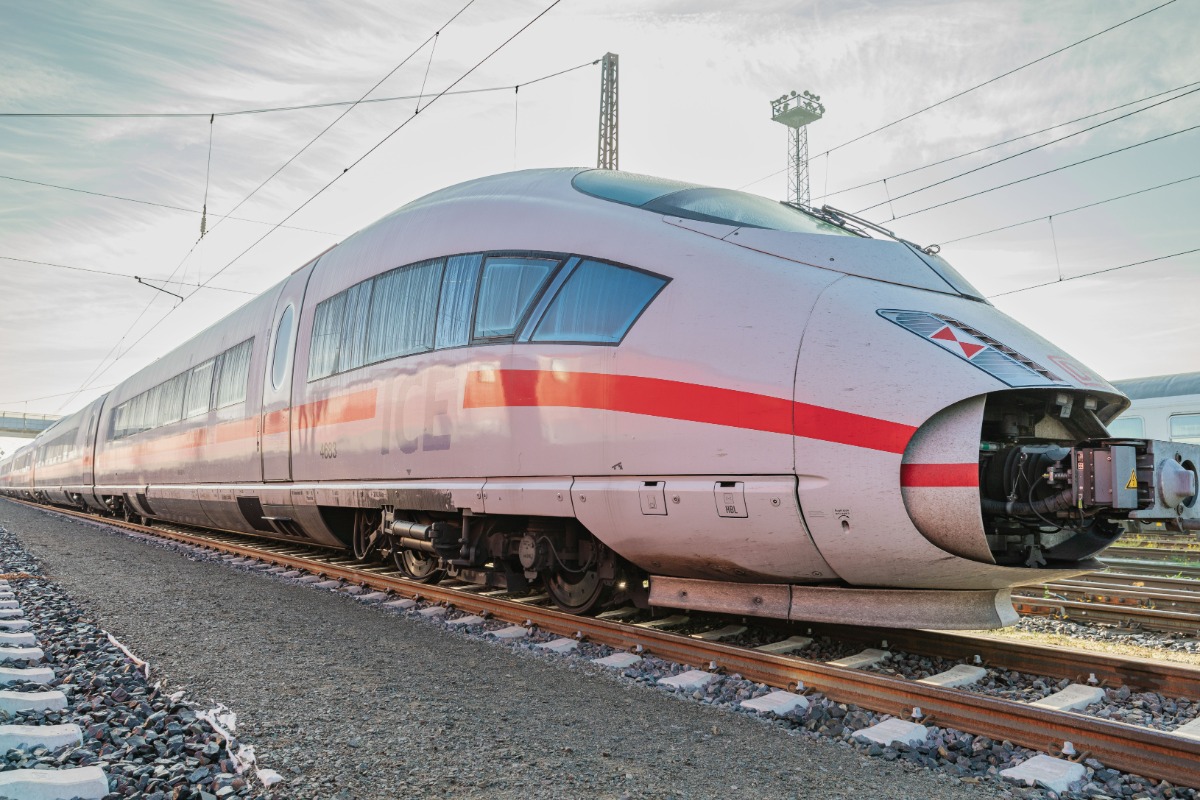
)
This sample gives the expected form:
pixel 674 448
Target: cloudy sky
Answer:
pixel 696 78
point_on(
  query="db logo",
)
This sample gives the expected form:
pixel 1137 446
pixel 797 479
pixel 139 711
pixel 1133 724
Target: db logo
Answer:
pixel 1077 371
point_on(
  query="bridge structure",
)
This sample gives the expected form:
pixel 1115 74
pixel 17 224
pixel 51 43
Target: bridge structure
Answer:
pixel 22 425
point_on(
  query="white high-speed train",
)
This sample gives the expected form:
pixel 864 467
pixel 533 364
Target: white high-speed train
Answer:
pixel 624 387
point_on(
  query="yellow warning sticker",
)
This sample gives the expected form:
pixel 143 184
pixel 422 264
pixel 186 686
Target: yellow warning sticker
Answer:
pixel 1132 482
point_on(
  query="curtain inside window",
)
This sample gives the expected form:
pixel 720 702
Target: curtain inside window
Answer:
pixel 403 311
pixel 458 298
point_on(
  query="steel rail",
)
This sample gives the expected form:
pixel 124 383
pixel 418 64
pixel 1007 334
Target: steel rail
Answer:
pixel 1133 581
pixel 1149 618
pixel 1155 551
pixel 1156 568
pixel 1171 679
pixel 1142 751
pixel 1132 598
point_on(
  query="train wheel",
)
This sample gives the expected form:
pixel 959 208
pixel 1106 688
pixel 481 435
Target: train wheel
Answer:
pixel 417 566
pixel 576 594
pixel 368 537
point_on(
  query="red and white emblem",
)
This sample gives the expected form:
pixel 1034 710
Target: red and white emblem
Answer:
pixel 958 342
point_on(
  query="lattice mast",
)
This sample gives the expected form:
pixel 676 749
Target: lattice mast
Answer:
pixel 606 149
pixel 797 111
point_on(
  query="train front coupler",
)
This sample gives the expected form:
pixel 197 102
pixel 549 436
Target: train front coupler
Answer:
pixel 1153 484
pixel 1048 502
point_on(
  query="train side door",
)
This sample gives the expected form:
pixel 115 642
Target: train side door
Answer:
pixel 277 385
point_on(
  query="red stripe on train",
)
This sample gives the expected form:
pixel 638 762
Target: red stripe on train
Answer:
pixel 690 402
pixel 930 475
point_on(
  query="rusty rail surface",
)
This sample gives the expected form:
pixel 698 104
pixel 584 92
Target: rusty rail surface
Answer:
pixel 1142 751
pixel 1110 670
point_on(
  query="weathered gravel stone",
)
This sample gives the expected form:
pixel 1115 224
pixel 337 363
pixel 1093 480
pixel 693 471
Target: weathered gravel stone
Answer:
pixel 145 741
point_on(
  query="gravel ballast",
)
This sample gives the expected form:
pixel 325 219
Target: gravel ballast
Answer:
pixel 348 701
pixel 150 743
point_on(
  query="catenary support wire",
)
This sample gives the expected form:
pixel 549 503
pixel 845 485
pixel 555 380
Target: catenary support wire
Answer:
pixel 968 90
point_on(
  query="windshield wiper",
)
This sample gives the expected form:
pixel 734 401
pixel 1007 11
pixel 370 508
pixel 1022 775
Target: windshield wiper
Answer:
pixel 857 224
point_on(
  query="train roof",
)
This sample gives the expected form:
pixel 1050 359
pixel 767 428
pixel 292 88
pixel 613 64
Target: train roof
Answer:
pixel 663 196
pixel 1160 386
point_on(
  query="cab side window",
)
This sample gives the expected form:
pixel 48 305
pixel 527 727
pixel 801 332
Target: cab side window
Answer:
pixel 598 303
pixel 507 290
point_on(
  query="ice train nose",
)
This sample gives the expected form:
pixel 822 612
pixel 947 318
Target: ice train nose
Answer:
pixel 939 479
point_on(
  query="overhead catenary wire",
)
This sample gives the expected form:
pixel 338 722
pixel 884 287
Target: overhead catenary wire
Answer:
pixel 1048 172
pixel 994 145
pixel 100 368
pixel 431 39
pixel 48 396
pixel 970 89
pixel 125 275
pixel 207 175
pixel 386 138
pixel 1094 273
pixel 337 177
pixel 1027 150
pixel 1069 210
pixel 302 107
pixel 156 204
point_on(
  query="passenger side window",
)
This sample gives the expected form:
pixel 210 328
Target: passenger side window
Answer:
pixel 235 372
pixel 353 351
pixel 170 401
pixel 143 412
pixel 199 389
pixel 1185 428
pixel 404 311
pixel 598 303
pixel 1127 427
pixel 458 298
pixel 508 289
pixel 326 336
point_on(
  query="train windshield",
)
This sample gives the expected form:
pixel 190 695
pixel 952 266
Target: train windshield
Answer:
pixel 706 204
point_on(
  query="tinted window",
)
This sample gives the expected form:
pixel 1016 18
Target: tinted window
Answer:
pixel 458 298
pixel 1127 427
pixel 234 373
pixel 170 401
pixel 508 289
pixel 199 389
pixel 326 335
pixel 740 208
pixel 598 303
pixel 404 310
pixel 279 358
pixel 353 350
pixel 1185 428
pixel 629 188
pixel 139 418
pixel 677 199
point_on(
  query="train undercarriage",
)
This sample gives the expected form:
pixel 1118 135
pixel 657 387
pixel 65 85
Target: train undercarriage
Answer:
pixel 577 571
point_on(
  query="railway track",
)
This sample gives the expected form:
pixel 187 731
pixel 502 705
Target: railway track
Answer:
pixel 1143 751
pixel 1150 593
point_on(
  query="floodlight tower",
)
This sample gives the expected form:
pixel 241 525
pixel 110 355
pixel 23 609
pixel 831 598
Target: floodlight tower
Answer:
pixel 797 111
pixel 606 150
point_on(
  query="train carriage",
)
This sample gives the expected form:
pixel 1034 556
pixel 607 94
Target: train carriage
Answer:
pixel 627 388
